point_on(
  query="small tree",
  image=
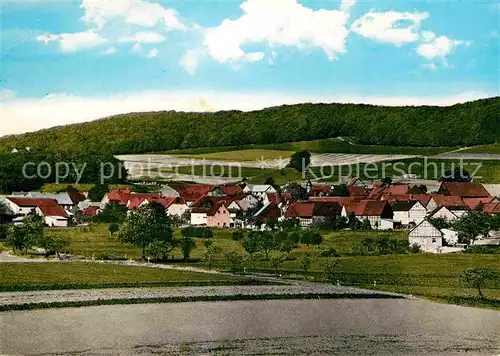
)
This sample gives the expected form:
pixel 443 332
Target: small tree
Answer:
pixel 300 161
pixel 146 224
pixel 297 191
pixel 259 241
pixel 211 252
pixel 112 212
pixel 233 258
pixel 311 238
pixel 98 191
pixel 331 270
pixel 26 235
pixel 52 244
pixel 276 260
pixel 471 225
pixel 237 235
pixel 477 278
pixel 187 244
pixel 158 250
pixel 304 262
pixel 113 227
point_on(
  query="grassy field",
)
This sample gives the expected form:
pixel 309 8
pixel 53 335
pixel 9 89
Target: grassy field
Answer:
pixel 428 275
pixel 31 276
pixel 489 149
pixel 54 187
pixel 331 145
pixel 241 155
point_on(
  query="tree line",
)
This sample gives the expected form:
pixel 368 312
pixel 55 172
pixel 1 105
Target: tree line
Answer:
pixel 472 123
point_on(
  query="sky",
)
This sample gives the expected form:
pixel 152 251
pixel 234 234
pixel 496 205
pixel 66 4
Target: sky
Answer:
pixel 70 61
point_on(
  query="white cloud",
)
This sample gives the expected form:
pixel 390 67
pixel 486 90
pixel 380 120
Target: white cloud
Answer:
pixel 439 47
pixel 430 66
pixel 392 27
pixel 7 94
pixel 190 60
pixel 153 53
pixel 278 23
pixel 133 12
pixel 144 37
pixel 73 42
pixel 21 115
pixel 346 5
pixel 109 51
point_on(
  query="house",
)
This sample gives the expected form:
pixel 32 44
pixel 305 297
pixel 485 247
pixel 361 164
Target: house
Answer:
pixel 269 212
pixel 463 189
pixel 428 237
pixel 121 196
pixel 211 212
pixel 443 213
pixel 190 193
pixel 450 237
pixel 53 213
pixel 453 203
pixel 411 212
pixel 168 191
pixel 311 212
pixel 91 211
pixel 477 203
pixel 318 190
pixel 173 205
pixel 378 213
pixel 358 191
pixel 63 199
pixel 259 191
pixel 278 198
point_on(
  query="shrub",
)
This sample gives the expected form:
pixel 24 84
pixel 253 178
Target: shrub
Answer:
pixel 331 252
pixel 237 235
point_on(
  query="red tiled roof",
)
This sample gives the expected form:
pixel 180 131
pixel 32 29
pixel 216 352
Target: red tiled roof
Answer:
pixel 472 203
pixel 355 191
pixel 53 209
pixel 231 190
pixel 491 208
pixel 278 198
pixel 166 202
pixel 192 192
pixel 464 189
pixel 122 196
pixel 300 210
pixel 91 211
pixel 451 202
pixel 137 199
pixel 341 200
pixel 371 208
pixel 397 190
pixel 76 197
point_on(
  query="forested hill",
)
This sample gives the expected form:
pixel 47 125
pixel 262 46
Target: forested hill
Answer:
pixel 471 123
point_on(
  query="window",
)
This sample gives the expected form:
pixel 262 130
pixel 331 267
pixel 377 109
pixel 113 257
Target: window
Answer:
pixel 433 240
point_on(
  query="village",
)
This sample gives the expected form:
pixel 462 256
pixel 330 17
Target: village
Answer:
pixel 428 217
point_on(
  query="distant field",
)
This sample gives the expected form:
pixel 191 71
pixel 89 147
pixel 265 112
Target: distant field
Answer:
pixel 333 145
pixel 428 168
pixel 26 276
pixel 485 149
pixel 54 188
pixel 241 155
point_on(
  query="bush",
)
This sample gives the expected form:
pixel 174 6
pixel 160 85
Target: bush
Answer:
pixel 113 227
pixel 484 249
pixel 331 252
pixel 415 248
pixel 237 235
pixel 311 238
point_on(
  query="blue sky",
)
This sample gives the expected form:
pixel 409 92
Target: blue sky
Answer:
pixel 71 61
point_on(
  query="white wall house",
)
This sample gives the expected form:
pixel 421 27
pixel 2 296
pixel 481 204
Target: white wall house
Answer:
pixel 411 212
pixel 177 209
pixel 427 236
pixel 259 190
pixel 445 214
pixel 198 218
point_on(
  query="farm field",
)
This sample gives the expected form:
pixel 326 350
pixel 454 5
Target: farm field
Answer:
pixel 427 275
pixel 329 145
pixel 241 155
pixel 31 276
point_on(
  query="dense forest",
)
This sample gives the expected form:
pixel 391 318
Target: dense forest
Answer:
pixel 472 123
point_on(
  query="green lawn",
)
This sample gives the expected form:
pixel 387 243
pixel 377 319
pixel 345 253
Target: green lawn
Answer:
pixel 54 187
pixel 31 276
pixel 330 145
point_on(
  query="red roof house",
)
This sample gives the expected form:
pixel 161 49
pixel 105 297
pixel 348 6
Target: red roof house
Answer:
pixel 463 189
